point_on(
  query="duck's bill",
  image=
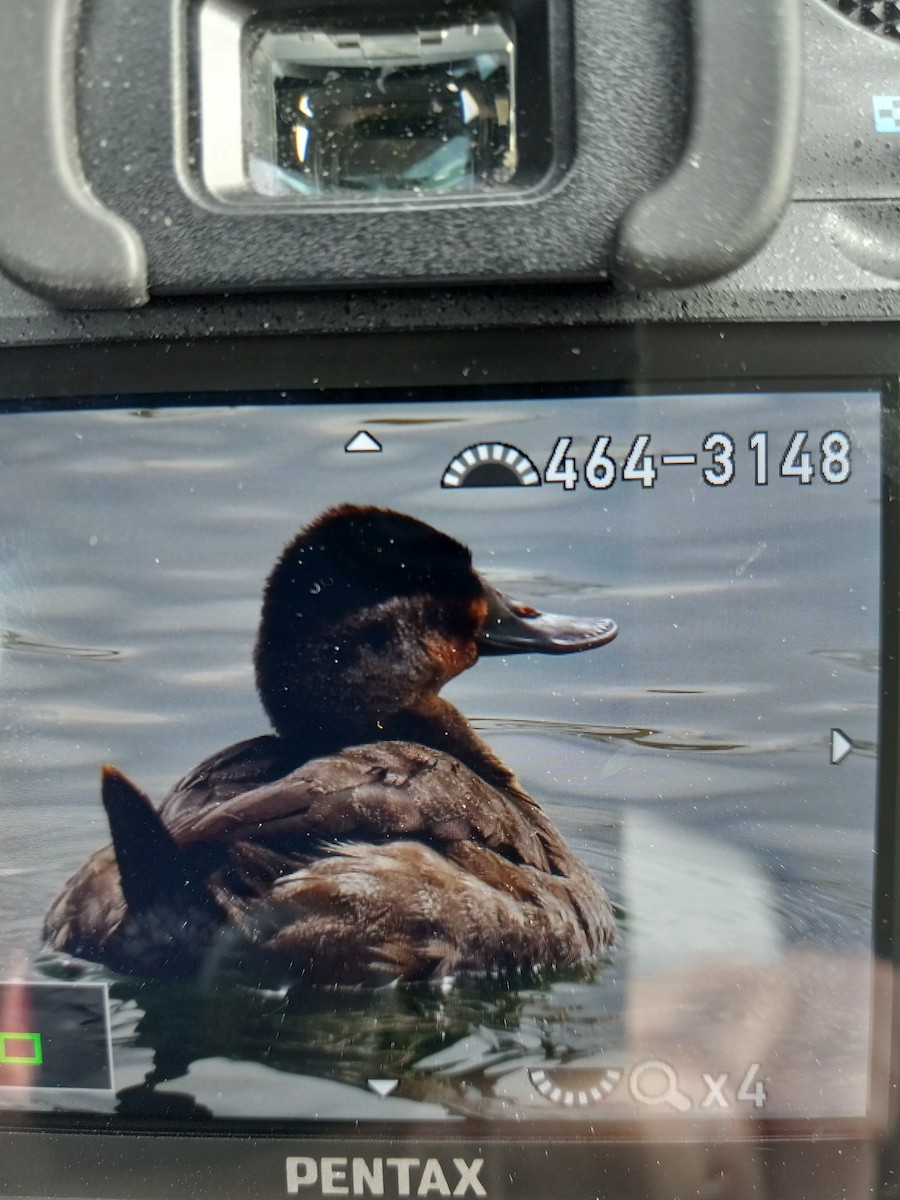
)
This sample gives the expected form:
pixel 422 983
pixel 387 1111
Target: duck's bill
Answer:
pixel 513 628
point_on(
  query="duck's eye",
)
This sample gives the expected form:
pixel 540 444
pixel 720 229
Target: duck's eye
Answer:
pixel 480 611
pixel 525 610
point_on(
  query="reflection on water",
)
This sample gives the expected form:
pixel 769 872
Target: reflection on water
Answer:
pixel 687 763
pixel 10 640
pixel 450 1046
pixel 863 660
pixel 654 739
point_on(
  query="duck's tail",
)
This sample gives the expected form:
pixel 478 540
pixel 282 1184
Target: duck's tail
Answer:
pixel 151 867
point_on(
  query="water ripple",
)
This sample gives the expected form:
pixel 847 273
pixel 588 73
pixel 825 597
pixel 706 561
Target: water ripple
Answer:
pixel 10 639
pixel 654 739
pixel 862 660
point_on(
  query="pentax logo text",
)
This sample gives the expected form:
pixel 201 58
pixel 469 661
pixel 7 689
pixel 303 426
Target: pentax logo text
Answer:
pixel 384 1177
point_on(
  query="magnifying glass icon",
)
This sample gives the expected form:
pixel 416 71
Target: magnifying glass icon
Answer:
pixel 655 1082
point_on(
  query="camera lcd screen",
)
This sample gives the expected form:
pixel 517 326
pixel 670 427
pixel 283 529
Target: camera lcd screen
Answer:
pixel 582 828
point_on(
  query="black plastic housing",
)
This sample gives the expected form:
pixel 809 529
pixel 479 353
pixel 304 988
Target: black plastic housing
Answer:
pixel 664 1158
pixel 115 217
pixel 108 87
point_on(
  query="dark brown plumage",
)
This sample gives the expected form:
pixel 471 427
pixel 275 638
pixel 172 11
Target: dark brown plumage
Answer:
pixel 373 836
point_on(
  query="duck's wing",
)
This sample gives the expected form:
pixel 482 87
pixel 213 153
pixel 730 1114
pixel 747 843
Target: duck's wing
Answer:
pixel 374 914
pixel 91 900
pixel 373 794
pixel 231 772
pixel 388 861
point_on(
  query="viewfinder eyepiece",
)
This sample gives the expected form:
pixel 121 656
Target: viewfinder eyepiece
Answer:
pixel 430 110
pixel 297 105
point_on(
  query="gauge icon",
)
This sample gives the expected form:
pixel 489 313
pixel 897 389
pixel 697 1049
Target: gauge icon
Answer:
pixel 491 464
pixel 575 1088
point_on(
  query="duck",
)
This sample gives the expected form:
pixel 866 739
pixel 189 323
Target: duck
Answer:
pixel 372 837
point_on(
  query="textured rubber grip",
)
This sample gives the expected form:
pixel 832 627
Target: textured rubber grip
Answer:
pixel 56 238
pixel 728 191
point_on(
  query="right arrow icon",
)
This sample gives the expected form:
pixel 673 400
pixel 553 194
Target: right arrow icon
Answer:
pixel 840 746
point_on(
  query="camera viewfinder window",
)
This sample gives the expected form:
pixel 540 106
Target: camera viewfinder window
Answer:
pixel 428 111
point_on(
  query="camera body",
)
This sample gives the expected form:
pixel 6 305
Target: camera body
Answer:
pixel 663 176
pixel 695 205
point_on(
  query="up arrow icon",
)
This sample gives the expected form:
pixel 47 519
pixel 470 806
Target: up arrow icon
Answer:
pixel 840 746
pixel 363 443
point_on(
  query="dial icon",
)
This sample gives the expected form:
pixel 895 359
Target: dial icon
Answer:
pixel 491 464
pixel 577 1088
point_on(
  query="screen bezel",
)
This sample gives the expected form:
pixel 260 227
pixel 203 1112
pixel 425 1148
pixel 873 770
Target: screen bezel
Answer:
pixel 465 365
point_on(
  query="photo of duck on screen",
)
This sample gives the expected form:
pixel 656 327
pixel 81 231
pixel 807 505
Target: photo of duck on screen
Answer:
pixel 373 838
pixel 505 759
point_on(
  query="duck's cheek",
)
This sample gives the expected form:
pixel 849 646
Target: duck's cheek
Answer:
pixel 451 656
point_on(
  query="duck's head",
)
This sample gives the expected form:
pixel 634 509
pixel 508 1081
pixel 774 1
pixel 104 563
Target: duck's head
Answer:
pixel 368 613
